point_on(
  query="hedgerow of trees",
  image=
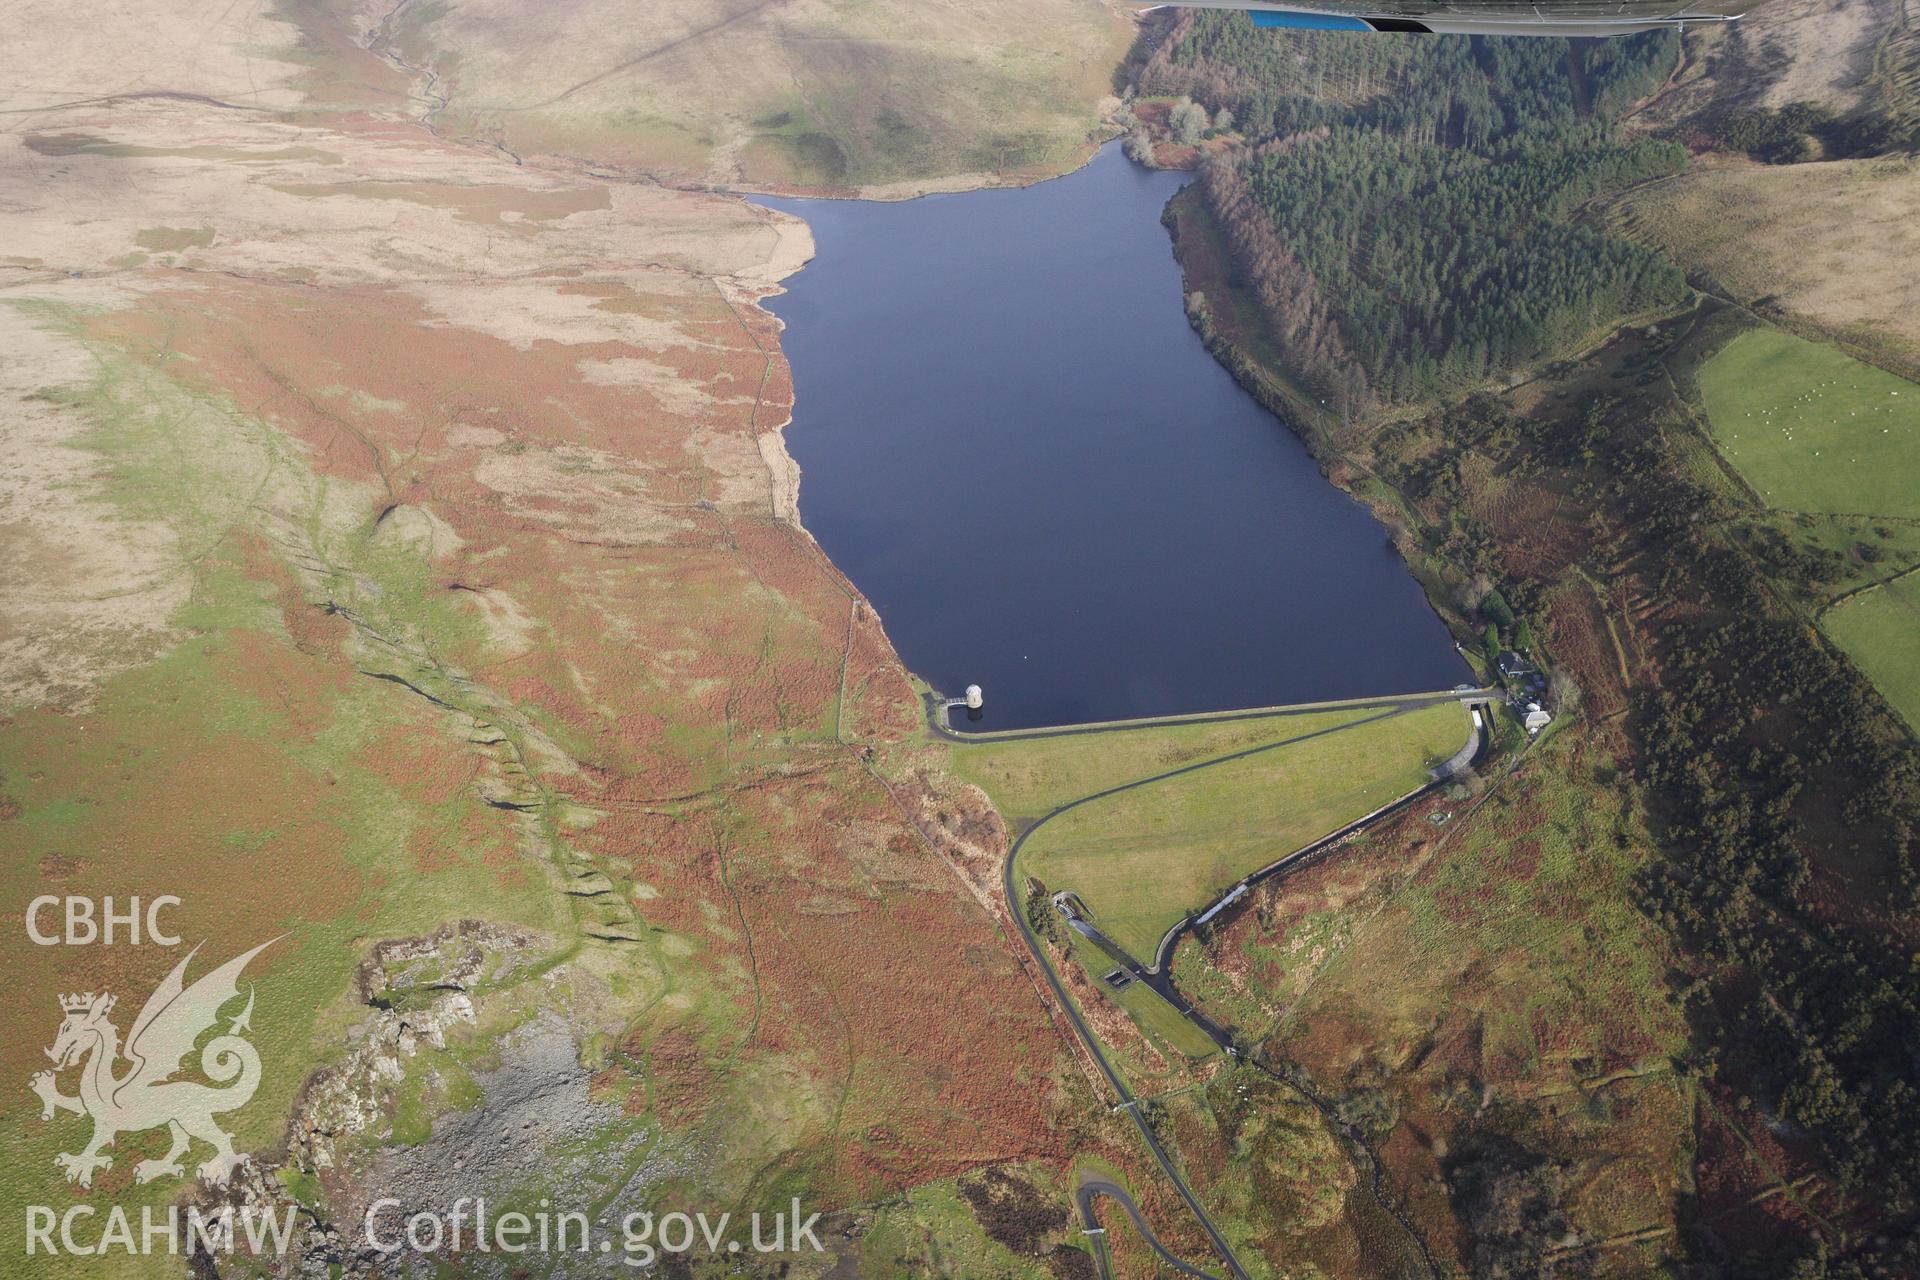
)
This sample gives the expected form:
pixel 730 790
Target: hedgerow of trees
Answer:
pixel 1765 754
pixel 1786 797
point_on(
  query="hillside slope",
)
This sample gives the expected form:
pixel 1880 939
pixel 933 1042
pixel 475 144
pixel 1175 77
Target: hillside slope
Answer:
pixel 774 92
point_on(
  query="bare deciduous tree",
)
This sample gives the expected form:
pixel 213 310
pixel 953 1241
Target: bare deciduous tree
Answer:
pixel 1188 120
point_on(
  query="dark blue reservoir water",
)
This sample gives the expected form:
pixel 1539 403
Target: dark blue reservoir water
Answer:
pixel 1013 443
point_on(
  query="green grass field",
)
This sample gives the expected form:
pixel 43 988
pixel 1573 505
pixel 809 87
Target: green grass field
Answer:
pixel 238 772
pixel 1145 857
pixel 1813 429
pixel 1028 777
pixel 1162 1023
pixel 1880 630
pixel 1863 550
pixel 931 1230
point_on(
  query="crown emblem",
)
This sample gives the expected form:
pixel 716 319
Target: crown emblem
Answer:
pixel 146 1093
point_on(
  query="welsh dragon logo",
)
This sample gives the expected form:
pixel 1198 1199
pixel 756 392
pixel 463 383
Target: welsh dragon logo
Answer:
pixel 142 1094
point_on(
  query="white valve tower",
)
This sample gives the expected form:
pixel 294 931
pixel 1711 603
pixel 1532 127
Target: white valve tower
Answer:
pixel 972 700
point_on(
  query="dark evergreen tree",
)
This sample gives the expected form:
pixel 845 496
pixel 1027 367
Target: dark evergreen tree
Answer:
pixel 1405 222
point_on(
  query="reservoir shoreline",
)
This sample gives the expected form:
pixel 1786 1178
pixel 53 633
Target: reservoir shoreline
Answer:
pixel 1014 445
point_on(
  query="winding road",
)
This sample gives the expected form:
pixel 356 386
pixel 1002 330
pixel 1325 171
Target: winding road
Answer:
pixel 1128 1102
pixel 1090 1190
pixel 1159 976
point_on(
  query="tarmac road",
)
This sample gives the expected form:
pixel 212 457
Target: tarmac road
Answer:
pixel 1127 1101
pixel 1015 907
pixel 937 720
pixel 1091 1189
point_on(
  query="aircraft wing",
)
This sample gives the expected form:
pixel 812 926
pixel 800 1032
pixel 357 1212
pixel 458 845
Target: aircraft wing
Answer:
pixel 1481 17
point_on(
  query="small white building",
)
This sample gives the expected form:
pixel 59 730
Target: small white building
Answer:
pixel 1536 719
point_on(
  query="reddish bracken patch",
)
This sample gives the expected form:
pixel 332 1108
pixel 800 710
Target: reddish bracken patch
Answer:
pixel 1584 645
pixel 685 653
pixel 1521 860
pixel 678 1085
pixel 1752 1196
